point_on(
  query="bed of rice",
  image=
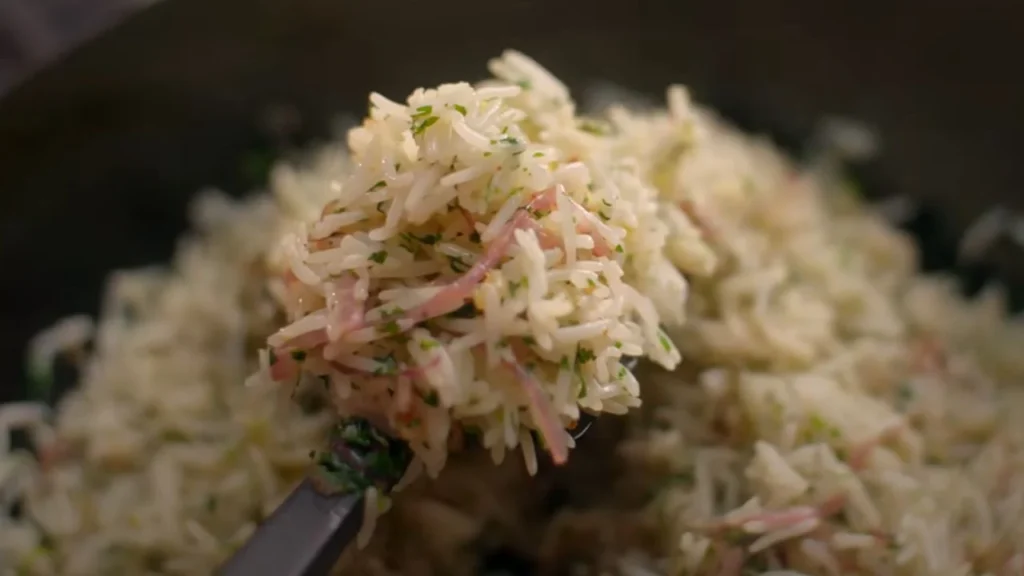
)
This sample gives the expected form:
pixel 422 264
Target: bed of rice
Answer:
pixel 836 411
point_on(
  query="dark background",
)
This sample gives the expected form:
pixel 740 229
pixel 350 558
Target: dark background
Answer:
pixel 100 151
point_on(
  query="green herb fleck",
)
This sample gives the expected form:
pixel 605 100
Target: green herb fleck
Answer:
pixel 460 109
pixel 604 216
pixel 457 265
pixel 428 239
pixel 510 140
pixel 593 127
pixel 428 344
pixel 432 399
pixel 905 395
pixel 418 128
pixel 564 363
pixel 379 257
pixel 423 111
pixel 211 503
pixel 380 184
pixel 386 365
pixel 619 248
pixel 538 154
pixel 584 355
pixel 524 84
pixel 392 327
pixel 664 341
pixel 529 340
pixel 514 287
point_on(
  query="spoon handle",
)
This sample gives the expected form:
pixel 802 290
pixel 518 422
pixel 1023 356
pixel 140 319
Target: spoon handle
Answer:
pixel 305 536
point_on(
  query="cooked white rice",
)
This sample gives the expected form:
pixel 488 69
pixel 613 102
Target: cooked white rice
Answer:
pixel 487 262
pixel 836 412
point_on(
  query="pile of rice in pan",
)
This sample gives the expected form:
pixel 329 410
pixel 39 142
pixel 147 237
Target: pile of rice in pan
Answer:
pixel 470 269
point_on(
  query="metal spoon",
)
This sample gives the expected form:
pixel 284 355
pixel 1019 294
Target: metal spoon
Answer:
pixel 307 533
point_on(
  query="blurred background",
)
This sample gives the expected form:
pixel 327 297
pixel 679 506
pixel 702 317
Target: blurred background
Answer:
pixel 33 32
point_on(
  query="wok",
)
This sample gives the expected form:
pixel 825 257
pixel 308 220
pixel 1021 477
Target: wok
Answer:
pixel 100 152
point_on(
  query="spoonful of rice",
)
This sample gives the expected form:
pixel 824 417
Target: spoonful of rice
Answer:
pixel 484 269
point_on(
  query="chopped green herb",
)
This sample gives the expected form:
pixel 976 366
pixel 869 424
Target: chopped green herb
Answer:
pixel 584 355
pixel 590 186
pixel 593 127
pixel 457 265
pixel 664 341
pixel 460 109
pixel 428 239
pixel 408 242
pixel 386 365
pixel 619 248
pixel 529 340
pixel 606 203
pixel 418 128
pixel 564 363
pixel 905 395
pixel 524 84
pixel 211 503
pixel 604 216
pixel 432 399
pixel 514 287
pixel 487 154
pixel 466 311
pixel 392 327
pixel 538 154
pixel 510 140
pixel 380 184
pixel 622 372
pixel 618 344
pixel 423 111
pixel 591 283
pixel 428 344
pixel 299 355
pixel 379 257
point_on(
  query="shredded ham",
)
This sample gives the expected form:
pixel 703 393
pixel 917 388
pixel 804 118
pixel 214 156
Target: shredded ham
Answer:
pixel 731 562
pixel 542 411
pixel 344 311
pixel 776 519
pixel 454 295
pixel 282 366
pixel 587 225
pixel 702 223
pixel 860 453
pixel 927 355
